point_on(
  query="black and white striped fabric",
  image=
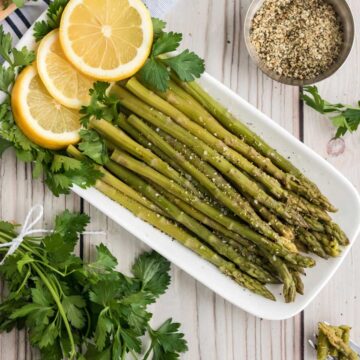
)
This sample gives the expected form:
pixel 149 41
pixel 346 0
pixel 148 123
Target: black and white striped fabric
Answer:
pixel 21 19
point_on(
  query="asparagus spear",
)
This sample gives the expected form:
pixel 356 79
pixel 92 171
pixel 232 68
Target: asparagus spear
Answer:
pixel 329 244
pixel 323 346
pixel 298 282
pixel 235 158
pixel 289 287
pixel 216 178
pixel 337 342
pixel 270 183
pixel 122 122
pixel 215 214
pixel 184 102
pixel 140 168
pixel 116 183
pixel 109 179
pixel 246 247
pixel 242 131
pixel 250 249
pixel 207 153
pixel 334 352
pixel 312 243
pixel 230 198
pixel 189 241
pixel 119 138
pixel 191 224
pixel 274 222
pixel 138 136
pixel 334 230
pixel 346 338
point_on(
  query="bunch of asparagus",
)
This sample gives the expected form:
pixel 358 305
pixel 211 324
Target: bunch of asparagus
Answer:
pixel 334 341
pixel 180 161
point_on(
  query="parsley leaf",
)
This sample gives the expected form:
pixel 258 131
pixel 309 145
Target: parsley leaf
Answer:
pixel 5 46
pixel 159 26
pixel 93 146
pixel 7 77
pixel 156 71
pixel 166 342
pixel 186 65
pixel 166 42
pixel 54 12
pixel 102 105
pixel 73 306
pixel 61 162
pixel 70 225
pixel 104 261
pixel 153 272
pixel 23 57
pixel 4 145
pixel 155 74
pixel 344 117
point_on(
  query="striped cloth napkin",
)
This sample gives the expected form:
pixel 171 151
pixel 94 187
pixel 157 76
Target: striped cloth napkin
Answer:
pixel 21 19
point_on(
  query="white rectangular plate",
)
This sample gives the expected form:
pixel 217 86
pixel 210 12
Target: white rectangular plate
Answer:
pixel 333 184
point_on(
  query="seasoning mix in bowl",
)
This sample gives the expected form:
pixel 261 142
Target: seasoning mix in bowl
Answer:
pixel 299 41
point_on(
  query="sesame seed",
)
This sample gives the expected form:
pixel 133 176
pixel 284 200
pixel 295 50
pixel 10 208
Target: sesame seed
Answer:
pixel 299 39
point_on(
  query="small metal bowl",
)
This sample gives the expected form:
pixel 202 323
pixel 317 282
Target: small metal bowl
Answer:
pixel 346 17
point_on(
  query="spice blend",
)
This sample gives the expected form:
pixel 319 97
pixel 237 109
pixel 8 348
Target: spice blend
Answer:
pixel 299 39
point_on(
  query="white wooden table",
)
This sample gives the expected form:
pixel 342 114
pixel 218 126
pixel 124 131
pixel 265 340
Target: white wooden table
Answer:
pixel 216 330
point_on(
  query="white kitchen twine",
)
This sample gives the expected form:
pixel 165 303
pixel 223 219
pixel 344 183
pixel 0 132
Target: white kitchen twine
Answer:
pixel 27 230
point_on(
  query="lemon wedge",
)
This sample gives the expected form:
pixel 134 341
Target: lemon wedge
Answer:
pixel 106 40
pixel 39 116
pixel 63 81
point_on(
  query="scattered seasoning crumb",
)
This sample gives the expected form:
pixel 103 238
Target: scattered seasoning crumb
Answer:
pixel 299 39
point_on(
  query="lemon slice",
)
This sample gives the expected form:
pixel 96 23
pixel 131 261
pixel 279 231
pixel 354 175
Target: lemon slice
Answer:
pixel 39 116
pixel 107 40
pixel 63 81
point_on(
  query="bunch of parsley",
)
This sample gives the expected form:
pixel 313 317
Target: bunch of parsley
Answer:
pixel 344 117
pixel 79 310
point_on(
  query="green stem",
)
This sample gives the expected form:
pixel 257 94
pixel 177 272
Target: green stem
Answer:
pixel 211 180
pixel 207 137
pixel 203 206
pixel 189 241
pixel 123 141
pixel 207 153
pixel 242 131
pixel 115 182
pixel 60 307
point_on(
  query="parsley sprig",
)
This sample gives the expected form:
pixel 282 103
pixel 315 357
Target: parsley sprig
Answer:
pixel 344 117
pixel 60 171
pixel 54 13
pixel 78 310
pixel 156 72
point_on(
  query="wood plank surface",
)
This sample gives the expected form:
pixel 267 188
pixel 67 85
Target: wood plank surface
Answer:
pixel 18 193
pixel 216 330
pixel 339 302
